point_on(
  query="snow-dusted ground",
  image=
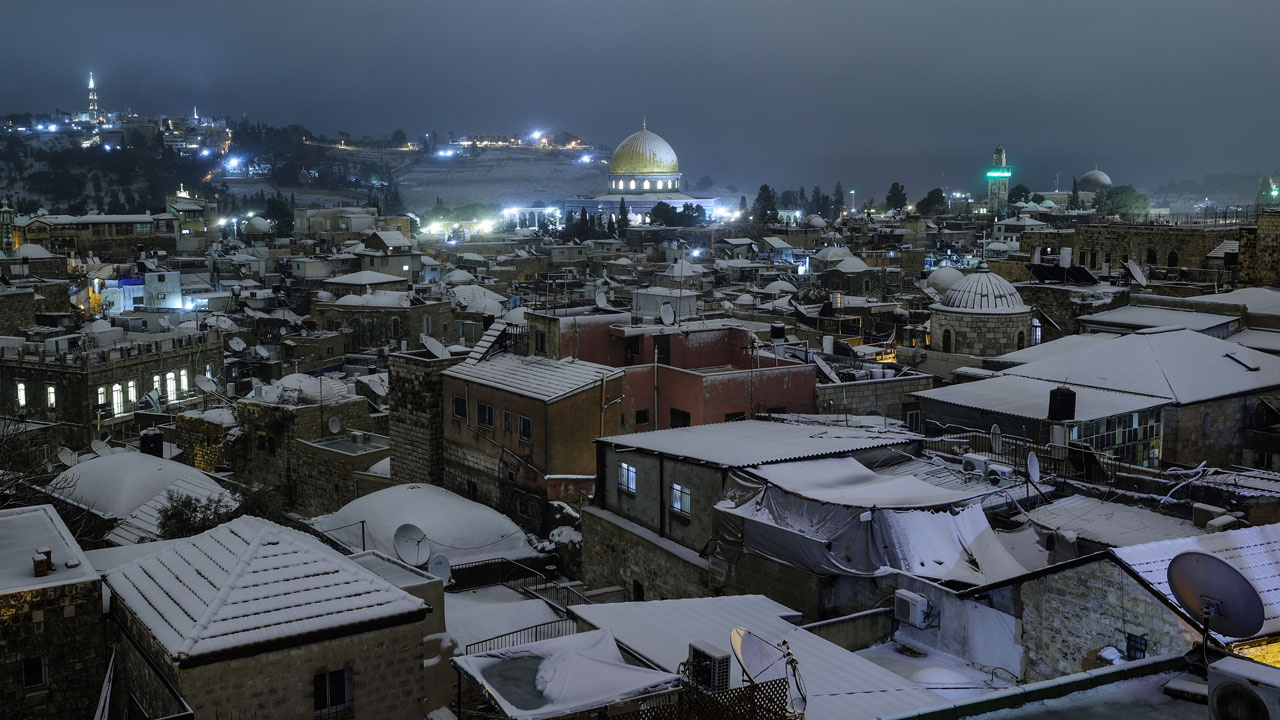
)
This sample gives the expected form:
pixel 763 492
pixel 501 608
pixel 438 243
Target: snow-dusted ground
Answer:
pixel 505 176
pixel 944 674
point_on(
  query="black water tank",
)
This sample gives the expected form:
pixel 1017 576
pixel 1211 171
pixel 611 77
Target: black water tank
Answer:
pixel 778 332
pixel 1062 404
pixel 151 441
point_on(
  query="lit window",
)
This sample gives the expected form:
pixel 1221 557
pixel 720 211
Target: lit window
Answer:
pixel 332 692
pixel 405 268
pixel 526 429
pixel 646 184
pixel 117 399
pixel 133 391
pixel 680 499
pixel 51 396
pixel 633 184
pixel 102 395
pixel 22 394
pixel 659 184
pixel 182 380
pixel 484 415
pixel 171 385
pixel 627 477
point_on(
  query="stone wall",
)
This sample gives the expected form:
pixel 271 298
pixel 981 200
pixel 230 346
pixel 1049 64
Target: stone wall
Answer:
pixel 1070 615
pixel 867 397
pixel 326 478
pixel 1096 245
pixel 979 334
pixel 63 624
pixel 1064 303
pixel 1208 431
pixel 416 421
pixel 616 552
pixel 205 445
pixel 1260 252
pixel 17 310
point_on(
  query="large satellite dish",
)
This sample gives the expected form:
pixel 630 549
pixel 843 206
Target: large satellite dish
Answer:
pixel 762 661
pixel 1033 467
pixel 262 352
pixel 997 439
pixel 439 567
pixel 68 457
pixel 411 545
pixel 1215 592
pixel 435 347
pixel 206 384
pixel 1136 271
pixel 236 344
pixel 101 448
pixel 668 314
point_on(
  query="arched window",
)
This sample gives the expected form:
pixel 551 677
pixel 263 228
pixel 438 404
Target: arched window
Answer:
pixel 675 184
pixel 946 341
pixel 866 286
pixel 395 327
pixel 1173 258
pixel 133 391
pixel 1151 256
pixel 646 184
pixel 171 386
pixel 22 394
pixel 1035 331
pixel 1022 339
pixel 633 184
pixel 117 399
pixel 661 184
pixel 182 381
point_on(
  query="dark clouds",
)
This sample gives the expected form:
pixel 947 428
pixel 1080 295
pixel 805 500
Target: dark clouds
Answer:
pixel 747 90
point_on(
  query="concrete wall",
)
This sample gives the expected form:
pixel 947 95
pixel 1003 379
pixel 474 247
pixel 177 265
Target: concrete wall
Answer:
pixel 857 631
pixel 865 397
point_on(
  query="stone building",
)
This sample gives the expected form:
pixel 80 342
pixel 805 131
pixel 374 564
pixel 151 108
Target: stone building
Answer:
pixel 1260 251
pixel 981 315
pixel 382 318
pixel 53 648
pixel 1106 247
pixel 251 619
pixel 415 394
pixel 852 276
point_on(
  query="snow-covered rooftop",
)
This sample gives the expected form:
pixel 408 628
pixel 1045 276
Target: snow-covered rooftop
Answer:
pixel 24 530
pixel 1054 347
pixel 1142 316
pixel 117 485
pixel 250 582
pixel 532 376
pixel 365 277
pixel 1110 523
pixel 845 481
pixel 1029 398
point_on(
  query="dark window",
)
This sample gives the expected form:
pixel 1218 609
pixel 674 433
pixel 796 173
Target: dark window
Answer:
pixel 484 415
pixel 540 341
pixel 459 407
pixel 1151 256
pixel 1022 339
pixel 35 672
pixel 679 418
pixel 1135 646
pixel 506 420
pixel 472 490
pixel 332 691
pixel 522 507
pixel 637 591
pixel 946 341
pixel 526 429
pixel 642 417
pixel 734 416
pixel 1173 258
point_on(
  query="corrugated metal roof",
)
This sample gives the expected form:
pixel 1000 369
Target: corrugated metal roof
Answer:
pixel 757 442
pixel 1255 551
pixel 143 525
pixel 1029 398
pixel 532 376
pixel 1110 523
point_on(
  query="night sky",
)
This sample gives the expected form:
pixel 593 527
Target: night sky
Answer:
pixel 748 91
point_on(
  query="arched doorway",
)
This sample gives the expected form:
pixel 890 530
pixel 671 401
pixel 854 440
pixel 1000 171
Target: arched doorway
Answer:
pixel 1151 256
pixel 946 341
pixel 1173 258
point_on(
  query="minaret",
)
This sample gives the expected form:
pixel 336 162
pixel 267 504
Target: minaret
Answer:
pixel 93 97
pixel 998 182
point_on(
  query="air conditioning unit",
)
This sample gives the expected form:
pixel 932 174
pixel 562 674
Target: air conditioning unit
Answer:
pixel 1241 689
pixel 997 473
pixel 974 463
pixel 708 667
pixel 910 608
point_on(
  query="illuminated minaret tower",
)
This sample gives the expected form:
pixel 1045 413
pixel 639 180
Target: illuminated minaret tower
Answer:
pixel 93 98
pixel 998 182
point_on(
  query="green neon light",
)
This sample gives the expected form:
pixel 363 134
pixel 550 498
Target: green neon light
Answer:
pixel 1275 192
pixel 999 173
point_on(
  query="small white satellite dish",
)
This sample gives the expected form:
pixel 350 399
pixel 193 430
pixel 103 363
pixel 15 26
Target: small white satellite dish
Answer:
pixel 68 457
pixel 1136 271
pixel 164 322
pixel 1216 593
pixel 602 300
pixel 997 439
pixel 435 347
pixel 206 384
pixel 411 545
pixel 262 352
pixel 668 314
pixel 1033 467
pixel 236 344
pixel 439 567
pixel 335 425
pixel 101 448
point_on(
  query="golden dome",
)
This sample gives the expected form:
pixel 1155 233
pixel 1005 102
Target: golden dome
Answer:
pixel 643 153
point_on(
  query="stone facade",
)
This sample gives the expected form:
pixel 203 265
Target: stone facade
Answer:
pixel 416 419
pixel 1094 246
pixel 327 477
pixel 1208 431
pixel 1064 303
pixel 616 553
pixel 17 310
pixel 205 445
pixel 1070 615
pixel 1260 252
pixel 63 624
pixel 981 334
pixel 889 397
pixel 377 326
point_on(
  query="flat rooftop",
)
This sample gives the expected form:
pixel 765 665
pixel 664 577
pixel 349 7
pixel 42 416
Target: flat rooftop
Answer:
pixel 22 532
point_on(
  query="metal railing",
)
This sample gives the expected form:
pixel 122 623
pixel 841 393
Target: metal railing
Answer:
pixel 545 631
pixel 1075 461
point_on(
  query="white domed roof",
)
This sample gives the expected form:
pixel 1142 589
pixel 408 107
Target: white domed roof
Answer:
pixel 643 153
pixel 122 482
pixel 815 221
pixel 851 265
pixel 997 247
pixel 779 287
pixel 983 292
pixel 1094 180
pixel 257 225
pixel 944 278
pixel 459 277
pixel 744 299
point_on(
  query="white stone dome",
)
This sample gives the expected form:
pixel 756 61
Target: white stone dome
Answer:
pixel 983 292
pixel 1094 180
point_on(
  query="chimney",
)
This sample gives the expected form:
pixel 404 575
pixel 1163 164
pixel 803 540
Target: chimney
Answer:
pixel 40 564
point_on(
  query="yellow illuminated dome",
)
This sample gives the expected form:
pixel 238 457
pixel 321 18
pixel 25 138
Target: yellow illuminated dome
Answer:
pixel 644 153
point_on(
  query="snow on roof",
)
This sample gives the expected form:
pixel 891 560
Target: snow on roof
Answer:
pixel 376 298
pixel 561 676
pixel 1143 316
pixel 1054 347
pixel 250 582
pixel 471 295
pixel 1021 220
pixel 143 524
pixel 116 485
pixel 982 292
pixel 845 481
pixel 737 241
pixel 779 287
pixel 1258 339
pixel 223 416
pixel 299 389
pixel 377 382
pixel 487 612
pixel 1181 365
pixel 661 631
pixel 1254 551
pixel 850 265
pixel 777 243
pixel 391 238
pixel 1110 523
pixel 459 277
pixel 682 268
pixel 532 376
pixel 1260 300
pixel 23 530
pixel 832 254
pixel 32 251
pixel 382 468
pixel 365 277
pixel 463 530
pixel 1029 398
pixel 1224 247
pixel 758 442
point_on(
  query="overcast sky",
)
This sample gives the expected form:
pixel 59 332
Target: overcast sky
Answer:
pixel 749 91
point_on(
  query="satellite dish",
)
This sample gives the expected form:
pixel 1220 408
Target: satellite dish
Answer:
pixel 762 661
pixel 68 457
pixel 262 352
pixel 101 448
pixel 439 566
pixel 236 344
pixel 602 300
pixel 997 439
pixel 435 347
pixel 1033 467
pixel 411 545
pixel 668 314
pixel 1215 592
pixel 206 384
pixel 164 322
pixel 1136 271
pixel 335 425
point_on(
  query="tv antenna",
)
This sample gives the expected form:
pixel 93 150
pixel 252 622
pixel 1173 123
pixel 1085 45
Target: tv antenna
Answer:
pixel 762 661
pixel 1216 593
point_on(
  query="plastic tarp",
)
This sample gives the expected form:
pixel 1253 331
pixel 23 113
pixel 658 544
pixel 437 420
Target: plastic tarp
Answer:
pixel 830 538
